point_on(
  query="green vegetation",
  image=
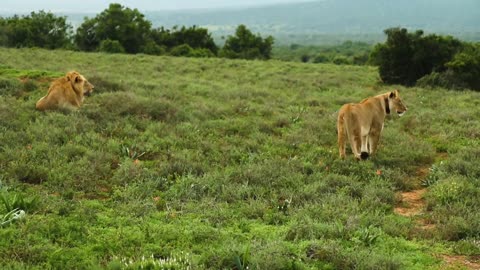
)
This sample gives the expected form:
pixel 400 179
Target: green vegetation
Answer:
pixel 333 21
pixel 184 163
pixel 119 29
pixel 245 45
pixel 407 58
pixel 38 29
pixel 348 52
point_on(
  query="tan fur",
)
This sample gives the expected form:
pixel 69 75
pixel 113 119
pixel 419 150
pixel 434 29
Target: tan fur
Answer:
pixel 362 123
pixel 66 93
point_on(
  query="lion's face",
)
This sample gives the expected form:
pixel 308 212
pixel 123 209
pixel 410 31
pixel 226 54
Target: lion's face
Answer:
pixel 397 103
pixel 87 88
pixel 79 82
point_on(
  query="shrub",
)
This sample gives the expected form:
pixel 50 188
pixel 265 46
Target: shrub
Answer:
pixel 466 66
pixel 38 29
pixel 153 48
pixel 406 57
pixel 246 45
pixel 9 87
pixel 321 59
pixel 340 60
pixel 126 26
pixel 181 50
pixel 111 46
pixel 445 79
pixel 305 58
pixel 469 247
pixel 201 53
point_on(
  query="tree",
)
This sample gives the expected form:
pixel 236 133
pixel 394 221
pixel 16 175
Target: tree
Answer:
pixel 247 45
pixel 395 57
pixel 466 66
pixel 195 37
pixel 406 57
pixel 39 29
pixel 128 27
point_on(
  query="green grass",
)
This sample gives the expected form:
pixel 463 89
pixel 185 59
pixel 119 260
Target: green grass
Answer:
pixel 226 164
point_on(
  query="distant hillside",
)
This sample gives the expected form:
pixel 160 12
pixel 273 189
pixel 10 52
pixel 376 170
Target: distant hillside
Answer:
pixel 339 16
pixel 329 21
pixel 336 17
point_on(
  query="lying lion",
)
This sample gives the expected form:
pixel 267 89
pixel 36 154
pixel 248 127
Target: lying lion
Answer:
pixel 66 93
pixel 363 123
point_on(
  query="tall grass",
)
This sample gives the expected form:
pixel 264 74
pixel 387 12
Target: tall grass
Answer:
pixel 232 162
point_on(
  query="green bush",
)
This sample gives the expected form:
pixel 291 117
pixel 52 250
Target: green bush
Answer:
pixel 9 87
pixel 153 48
pixel 465 65
pixel 245 45
pixel 111 46
pixel 36 30
pixel 445 79
pixel 181 50
pixel 320 59
pixel 201 53
pixel 116 25
pixel 341 60
pixel 406 57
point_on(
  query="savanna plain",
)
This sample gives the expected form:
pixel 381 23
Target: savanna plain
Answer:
pixel 181 163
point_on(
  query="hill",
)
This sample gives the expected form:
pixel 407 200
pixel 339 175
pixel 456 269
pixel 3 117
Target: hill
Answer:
pixel 223 164
pixel 325 21
pixel 364 19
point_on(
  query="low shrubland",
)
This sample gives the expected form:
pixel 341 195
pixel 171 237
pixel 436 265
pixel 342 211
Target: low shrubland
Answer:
pixel 180 163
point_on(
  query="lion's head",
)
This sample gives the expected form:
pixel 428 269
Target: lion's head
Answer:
pixel 79 83
pixel 396 102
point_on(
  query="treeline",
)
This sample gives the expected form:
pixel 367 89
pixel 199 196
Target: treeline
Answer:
pixel 119 29
pixel 404 58
pixel 427 60
pixel 346 53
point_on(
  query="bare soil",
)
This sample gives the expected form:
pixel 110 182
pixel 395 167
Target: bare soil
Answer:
pixel 413 205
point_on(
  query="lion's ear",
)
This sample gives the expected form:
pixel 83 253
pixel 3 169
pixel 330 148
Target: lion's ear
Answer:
pixel 71 76
pixel 392 94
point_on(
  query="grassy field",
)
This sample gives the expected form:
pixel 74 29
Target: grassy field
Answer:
pixel 177 163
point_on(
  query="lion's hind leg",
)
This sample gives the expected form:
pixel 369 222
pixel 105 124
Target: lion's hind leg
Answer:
pixel 341 133
pixel 364 148
pixel 353 133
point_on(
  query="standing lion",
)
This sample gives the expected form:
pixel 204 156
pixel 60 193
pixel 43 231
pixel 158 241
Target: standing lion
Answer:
pixel 66 93
pixel 362 123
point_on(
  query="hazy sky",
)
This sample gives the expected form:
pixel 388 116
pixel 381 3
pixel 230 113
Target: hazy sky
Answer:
pixel 142 5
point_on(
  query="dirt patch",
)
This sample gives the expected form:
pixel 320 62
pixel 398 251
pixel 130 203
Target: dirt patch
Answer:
pixel 412 203
pixel 460 262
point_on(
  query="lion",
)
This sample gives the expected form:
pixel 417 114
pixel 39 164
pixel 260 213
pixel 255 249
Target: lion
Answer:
pixel 363 123
pixel 66 93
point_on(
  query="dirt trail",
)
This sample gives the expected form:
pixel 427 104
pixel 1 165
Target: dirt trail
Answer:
pixel 460 262
pixel 413 202
pixel 413 205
